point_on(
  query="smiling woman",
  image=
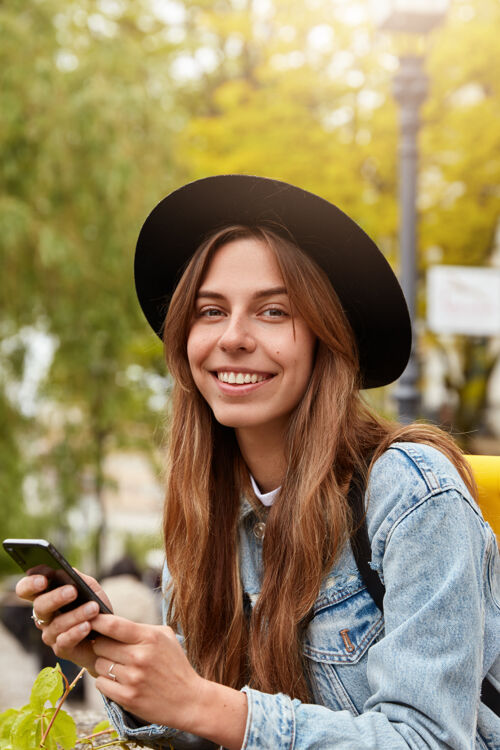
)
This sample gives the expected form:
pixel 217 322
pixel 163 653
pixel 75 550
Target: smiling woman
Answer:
pixel 276 310
pixel 250 354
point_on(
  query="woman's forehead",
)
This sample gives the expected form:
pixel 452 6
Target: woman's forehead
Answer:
pixel 242 262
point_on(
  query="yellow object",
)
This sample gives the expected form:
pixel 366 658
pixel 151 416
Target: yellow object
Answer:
pixel 486 470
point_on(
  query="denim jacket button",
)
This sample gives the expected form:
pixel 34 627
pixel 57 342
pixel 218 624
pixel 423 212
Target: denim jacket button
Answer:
pixel 259 530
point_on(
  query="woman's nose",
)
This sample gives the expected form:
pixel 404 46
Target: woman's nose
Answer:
pixel 236 336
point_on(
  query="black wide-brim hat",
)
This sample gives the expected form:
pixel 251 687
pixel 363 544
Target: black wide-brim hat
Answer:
pixel 362 278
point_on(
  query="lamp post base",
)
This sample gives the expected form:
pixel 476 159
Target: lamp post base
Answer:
pixel 408 400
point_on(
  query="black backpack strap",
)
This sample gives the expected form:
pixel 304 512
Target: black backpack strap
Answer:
pixel 361 547
pixel 490 696
pixel 360 541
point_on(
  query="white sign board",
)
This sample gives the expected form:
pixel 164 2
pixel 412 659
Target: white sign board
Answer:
pixel 463 299
pixel 419 16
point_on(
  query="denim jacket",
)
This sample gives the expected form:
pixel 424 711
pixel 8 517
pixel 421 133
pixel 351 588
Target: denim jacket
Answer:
pixel 409 678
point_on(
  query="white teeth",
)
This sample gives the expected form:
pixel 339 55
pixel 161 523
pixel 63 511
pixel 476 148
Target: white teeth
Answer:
pixel 239 378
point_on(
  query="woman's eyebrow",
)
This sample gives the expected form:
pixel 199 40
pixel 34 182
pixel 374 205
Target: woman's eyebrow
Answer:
pixel 270 292
pixel 207 293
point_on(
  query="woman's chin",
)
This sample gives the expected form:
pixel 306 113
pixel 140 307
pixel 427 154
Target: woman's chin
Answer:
pixel 253 424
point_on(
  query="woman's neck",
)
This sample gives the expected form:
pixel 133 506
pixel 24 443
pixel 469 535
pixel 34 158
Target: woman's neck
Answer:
pixel 263 452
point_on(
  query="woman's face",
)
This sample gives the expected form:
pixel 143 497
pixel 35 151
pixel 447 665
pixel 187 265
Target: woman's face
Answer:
pixel 250 359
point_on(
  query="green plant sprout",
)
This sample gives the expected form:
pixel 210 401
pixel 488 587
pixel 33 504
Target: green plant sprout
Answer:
pixel 49 727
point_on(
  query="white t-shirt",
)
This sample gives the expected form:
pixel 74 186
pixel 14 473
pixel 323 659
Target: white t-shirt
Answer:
pixel 267 498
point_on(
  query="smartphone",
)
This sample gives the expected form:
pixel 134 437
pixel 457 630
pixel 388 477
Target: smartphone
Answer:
pixel 39 556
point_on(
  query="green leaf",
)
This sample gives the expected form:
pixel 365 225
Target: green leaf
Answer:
pixel 63 730
pixel 104 724
pixel 23 732
pixel 48 686
pixel 49 743
pixel 7 719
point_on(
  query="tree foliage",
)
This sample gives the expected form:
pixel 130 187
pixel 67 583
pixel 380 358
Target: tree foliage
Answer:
pixel 87 136
pixel 106 105
pixel 309 99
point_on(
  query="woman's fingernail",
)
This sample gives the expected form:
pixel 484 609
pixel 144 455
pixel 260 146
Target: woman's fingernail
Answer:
pixel 92 608
pixel 84 627
pixel 39 583
pixel 68 592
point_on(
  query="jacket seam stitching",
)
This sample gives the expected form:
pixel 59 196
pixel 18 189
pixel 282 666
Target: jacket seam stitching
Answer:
pixel 246 737
pixel 293 727
pixel 338 598
pixel 320 655
pixel 339 691
pixel 423 469
pixel 434 493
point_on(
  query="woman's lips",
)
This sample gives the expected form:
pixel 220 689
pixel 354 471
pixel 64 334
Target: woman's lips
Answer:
pixel 236 377
pixel 241 382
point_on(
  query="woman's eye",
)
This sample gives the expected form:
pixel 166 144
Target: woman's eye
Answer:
pixel 274 312
pixel 209 312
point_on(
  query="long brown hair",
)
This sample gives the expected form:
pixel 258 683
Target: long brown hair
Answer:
pixel 330 434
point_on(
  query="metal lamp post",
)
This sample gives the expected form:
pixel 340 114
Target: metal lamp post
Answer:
pixel 410 91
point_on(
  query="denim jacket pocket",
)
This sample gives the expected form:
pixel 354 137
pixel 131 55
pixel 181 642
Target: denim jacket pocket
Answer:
pixel 345 623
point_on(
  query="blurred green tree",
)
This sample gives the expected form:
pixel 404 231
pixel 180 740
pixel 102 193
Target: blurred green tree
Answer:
pixel 86 126
pixel 460 204
pixel 106 105
pixel 307 97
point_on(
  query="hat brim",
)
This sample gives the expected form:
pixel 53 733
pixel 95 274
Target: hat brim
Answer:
pixel 364 281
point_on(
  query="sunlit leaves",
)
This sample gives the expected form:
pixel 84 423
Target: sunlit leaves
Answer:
pixel 48 686
pixel 38 725
pixel 107 106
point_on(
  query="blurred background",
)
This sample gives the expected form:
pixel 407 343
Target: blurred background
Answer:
pixel 108 105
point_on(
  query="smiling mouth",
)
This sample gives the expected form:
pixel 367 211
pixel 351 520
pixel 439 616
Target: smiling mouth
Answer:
pixel 242 378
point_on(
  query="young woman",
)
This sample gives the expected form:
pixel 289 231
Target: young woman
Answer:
pixel 283 311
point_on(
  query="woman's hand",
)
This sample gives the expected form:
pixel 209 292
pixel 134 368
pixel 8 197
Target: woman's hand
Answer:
pixel 144 669
pixel 64 632
pixel 154 679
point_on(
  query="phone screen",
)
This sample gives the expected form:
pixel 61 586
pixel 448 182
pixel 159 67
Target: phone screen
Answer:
pixel 37 556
